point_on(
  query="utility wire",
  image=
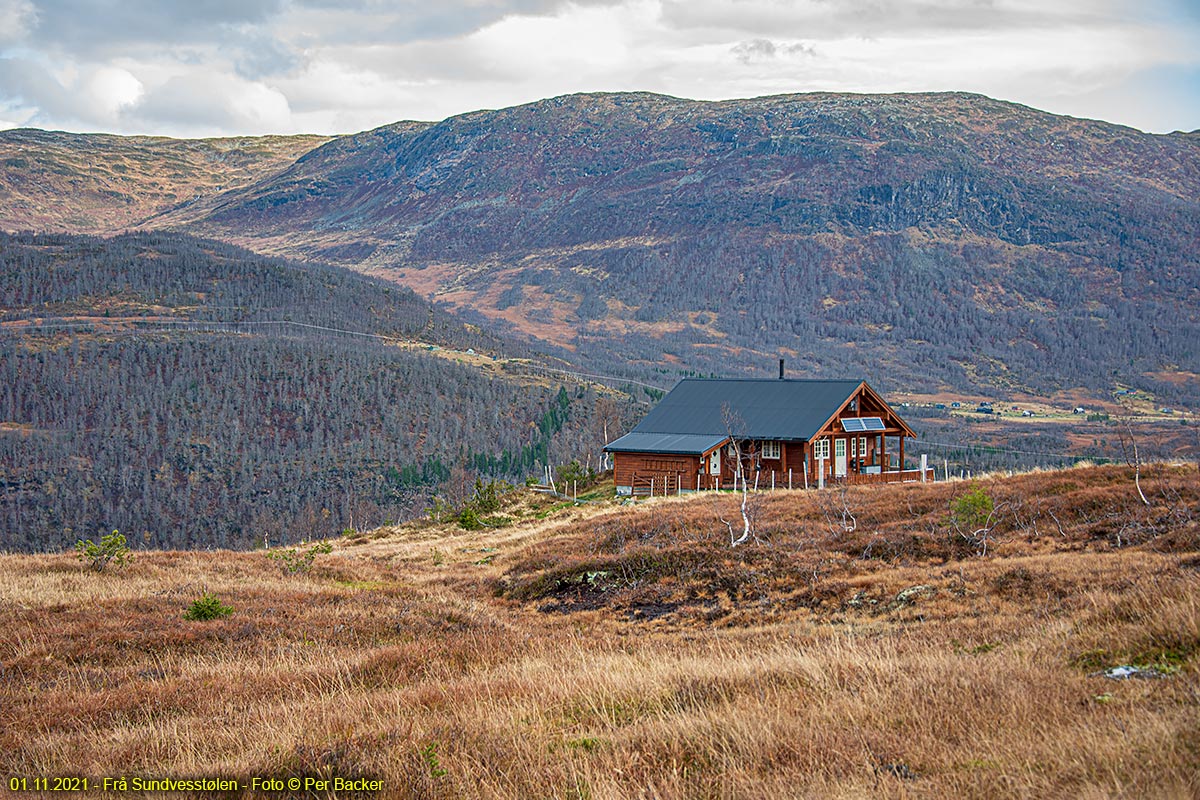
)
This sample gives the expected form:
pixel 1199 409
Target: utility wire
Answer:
pixel 164 326
pixel 994 449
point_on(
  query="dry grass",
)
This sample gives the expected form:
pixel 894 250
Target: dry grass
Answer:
pixel 626 651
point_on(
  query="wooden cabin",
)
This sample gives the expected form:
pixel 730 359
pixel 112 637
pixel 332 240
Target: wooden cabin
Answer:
pixel 787 433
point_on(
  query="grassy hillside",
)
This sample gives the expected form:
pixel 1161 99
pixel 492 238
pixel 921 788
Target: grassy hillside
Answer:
pixel 612 651
pixel 98 183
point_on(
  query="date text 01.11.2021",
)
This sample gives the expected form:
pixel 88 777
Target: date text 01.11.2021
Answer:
pixel 48 784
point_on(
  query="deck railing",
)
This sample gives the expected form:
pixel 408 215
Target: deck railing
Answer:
pixel 660 484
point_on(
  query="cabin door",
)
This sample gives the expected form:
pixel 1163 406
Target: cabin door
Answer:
pixel 839 458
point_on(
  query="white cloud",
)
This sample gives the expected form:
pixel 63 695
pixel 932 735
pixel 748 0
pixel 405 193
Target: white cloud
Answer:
pixel 324 66
pixel 209 104
pixel 17 19
pixel 110 90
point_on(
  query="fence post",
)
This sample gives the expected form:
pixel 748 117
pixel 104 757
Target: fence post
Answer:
pixel 697 481
pixel 679 485
pixel 789 477
pixel 652 487
pixel 772 480
pixel 924 466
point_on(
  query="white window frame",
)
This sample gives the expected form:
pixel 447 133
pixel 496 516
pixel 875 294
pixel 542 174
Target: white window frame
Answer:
pixel 821 449
pixel 853 447
pixel 771 450
pixel 862 447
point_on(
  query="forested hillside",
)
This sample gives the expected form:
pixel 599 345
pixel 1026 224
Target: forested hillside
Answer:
pixel 153 279
pixel 127 408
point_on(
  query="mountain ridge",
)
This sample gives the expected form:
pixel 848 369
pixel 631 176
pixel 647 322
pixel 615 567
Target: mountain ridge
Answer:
pixel 944 239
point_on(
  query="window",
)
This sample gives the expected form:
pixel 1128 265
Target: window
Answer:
pixel 853 447
pixel 714 462
pixel 821 449
pixel 862 446
pixel 770 449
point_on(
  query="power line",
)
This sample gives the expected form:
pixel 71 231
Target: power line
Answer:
pixel 165 326
pixel 995 449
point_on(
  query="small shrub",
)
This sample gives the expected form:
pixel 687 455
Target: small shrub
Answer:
pixel 576 473
pixel 112 550
pixel 294 562
pixel 206 607
pixel 439 509
pixel 970 511
pixel 468 520
pixel 430 757
pixel 487 496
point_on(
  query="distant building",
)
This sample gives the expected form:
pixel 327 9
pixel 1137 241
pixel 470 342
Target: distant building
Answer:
pixel 797 432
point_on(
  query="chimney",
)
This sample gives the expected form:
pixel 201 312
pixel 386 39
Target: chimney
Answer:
pixel 781 369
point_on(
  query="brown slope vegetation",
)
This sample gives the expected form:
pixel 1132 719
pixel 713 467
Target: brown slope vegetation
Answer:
pixel 474 664
pixel 100 183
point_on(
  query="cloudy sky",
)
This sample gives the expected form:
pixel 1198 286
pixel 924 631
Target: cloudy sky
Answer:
pixel 213 67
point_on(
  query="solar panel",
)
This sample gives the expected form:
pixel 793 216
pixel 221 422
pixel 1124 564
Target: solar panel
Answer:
pixel 861 424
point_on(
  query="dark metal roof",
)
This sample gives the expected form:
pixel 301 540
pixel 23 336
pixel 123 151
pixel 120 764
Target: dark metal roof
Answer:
pixel 761 408
pixel 673 443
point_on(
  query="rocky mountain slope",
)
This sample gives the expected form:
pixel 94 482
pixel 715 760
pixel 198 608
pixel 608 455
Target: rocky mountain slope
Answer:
pixel 930 241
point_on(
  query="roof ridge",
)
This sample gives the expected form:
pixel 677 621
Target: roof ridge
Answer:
pixel 783 380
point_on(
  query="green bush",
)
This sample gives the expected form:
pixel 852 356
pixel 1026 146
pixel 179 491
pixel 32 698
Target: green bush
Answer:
pixel 112 550
pixel 439 509
pixel 576 473
pixel 206 607
pixel 430 756
pixel 468 520
pixel 971 511
pixel 293 562
pixel 486 498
